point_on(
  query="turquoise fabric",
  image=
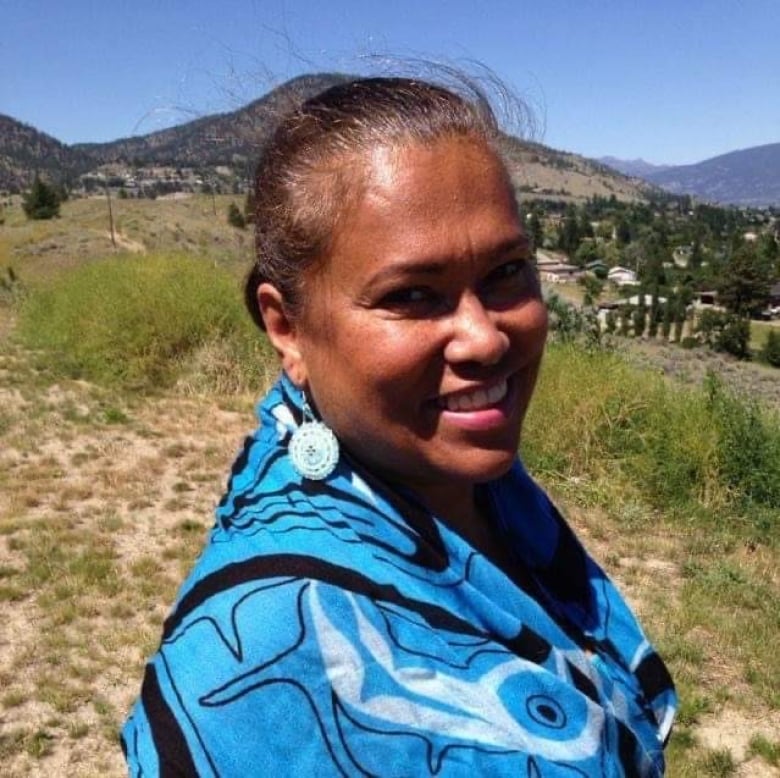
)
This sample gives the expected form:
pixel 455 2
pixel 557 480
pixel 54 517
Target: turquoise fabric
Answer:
pixel 337 628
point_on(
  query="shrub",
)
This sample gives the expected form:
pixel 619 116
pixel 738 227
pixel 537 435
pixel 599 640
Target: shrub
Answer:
pixel 725 332
pixel 770 353
pixel 42 201
pixel 568 323
pixel 138 321
pixel 235 217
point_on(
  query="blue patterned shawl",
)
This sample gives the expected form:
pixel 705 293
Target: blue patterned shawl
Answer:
pixel 337 628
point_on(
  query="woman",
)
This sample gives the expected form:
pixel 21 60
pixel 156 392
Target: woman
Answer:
pixel 386 591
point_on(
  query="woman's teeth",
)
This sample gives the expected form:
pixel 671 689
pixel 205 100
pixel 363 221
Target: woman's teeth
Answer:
pixel 476 400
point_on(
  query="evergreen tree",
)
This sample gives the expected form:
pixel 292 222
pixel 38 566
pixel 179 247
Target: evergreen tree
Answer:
pixel 42 201
pixel 654 313
pixel 697 256
pixel 235 217
pixel 680 316
pixel 744 286
pixel 625 318
pixel 666 323
pixel 640 316
pixel 535 230
pixel 771 351
pixel 623 232
pixel 570 234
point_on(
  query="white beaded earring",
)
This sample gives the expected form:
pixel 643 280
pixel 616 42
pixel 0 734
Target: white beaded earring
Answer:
pixel 313 449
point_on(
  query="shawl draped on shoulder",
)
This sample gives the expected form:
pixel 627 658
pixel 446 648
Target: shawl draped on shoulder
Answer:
pixel 338 628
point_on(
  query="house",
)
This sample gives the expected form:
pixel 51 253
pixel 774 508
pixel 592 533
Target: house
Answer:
pixel 560 273
pixel 598 267
pixel 621 276
pixel 705 300
pixel 545 258
pixel 774 300
pixel 635 301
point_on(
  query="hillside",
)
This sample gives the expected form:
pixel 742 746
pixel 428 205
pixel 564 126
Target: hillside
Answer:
pixel 748 177
pixel 25 151
pixel 231 141
pixel 540 171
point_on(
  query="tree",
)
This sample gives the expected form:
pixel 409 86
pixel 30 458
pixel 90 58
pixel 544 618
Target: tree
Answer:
pixel 771 351
pixel 697 256
pixel 623 232
pixel 768 252
pixel 666 322
pixel 587 251
pixel 42 201
pixel 593 289
pixel 235 217
pixel 570 233
pixel 535 230
pixel 640 316
pixel 743 288
pixel 726 332
pixel 654 313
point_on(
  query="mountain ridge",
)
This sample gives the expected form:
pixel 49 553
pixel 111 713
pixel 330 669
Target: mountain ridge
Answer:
pixel 232 141
pixel 747 177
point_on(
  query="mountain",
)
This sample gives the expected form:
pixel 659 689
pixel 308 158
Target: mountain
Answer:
pixel 231 141
pixel 636 168
pixel 25 151
pixel 747 177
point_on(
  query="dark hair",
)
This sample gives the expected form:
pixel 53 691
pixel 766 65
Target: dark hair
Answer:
pixel 310 170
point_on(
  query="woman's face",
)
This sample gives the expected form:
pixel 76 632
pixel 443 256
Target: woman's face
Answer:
pixel 422 334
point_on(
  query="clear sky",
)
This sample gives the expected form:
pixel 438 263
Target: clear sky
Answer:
pixel 671 82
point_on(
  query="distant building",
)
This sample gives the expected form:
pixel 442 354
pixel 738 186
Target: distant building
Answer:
pixel 621 276
pixel 560 273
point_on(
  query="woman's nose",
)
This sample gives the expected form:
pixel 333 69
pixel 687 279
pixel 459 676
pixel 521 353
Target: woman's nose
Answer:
pixel 476 336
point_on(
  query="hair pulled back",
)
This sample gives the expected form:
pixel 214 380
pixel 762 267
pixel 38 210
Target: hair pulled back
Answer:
pixel 310 171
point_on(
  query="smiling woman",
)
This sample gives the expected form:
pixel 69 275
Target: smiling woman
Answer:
pixel 386 591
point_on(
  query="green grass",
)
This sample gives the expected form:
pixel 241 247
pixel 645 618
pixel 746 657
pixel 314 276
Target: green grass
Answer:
pixel 759 332
pixel 625 435
pixel 143 322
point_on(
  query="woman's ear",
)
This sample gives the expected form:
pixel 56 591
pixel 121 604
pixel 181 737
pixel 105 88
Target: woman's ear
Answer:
pixel 282 332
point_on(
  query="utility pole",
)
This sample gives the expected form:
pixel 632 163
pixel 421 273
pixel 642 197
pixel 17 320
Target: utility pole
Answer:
pixel 110 216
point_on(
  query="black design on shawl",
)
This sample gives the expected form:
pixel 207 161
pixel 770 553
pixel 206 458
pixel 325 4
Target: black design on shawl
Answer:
pixel 169 741
pixel 527 644
pixel 653 676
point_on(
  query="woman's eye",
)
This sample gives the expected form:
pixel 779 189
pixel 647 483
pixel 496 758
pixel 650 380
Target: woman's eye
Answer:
pixel 414 301
pixel 508 270
pixel 506 283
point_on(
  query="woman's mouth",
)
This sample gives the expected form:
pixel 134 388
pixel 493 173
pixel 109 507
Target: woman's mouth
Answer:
pixel 476 400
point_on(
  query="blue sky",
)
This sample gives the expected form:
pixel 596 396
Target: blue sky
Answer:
pixel 672 82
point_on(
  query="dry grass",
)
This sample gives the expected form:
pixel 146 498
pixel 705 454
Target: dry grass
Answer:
pixel 104 503
pixel 38 249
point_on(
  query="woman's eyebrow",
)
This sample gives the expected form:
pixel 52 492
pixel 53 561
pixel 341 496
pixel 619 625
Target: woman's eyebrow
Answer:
pixel 434 266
